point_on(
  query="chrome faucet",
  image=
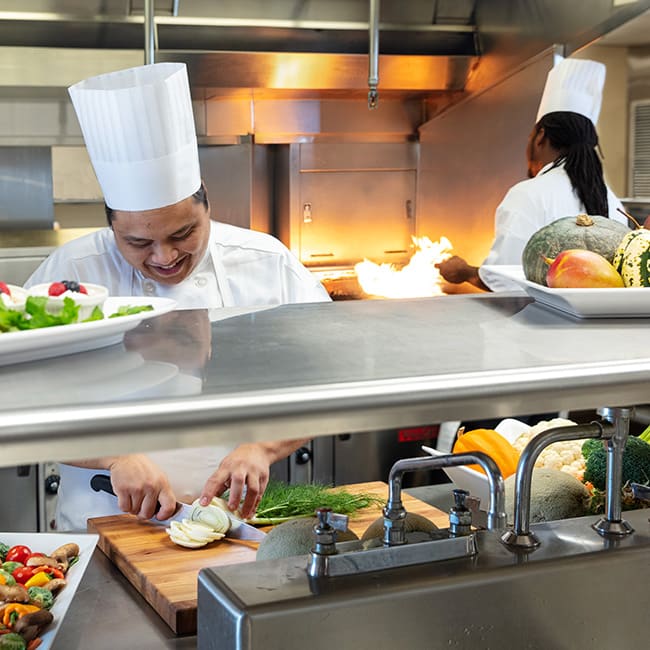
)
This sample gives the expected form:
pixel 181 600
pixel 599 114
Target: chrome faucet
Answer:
pixel 395 513
pixel 520 535
pixel 613 523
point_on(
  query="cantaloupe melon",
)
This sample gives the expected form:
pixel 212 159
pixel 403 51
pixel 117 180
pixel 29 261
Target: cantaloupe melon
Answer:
pixel 294 537
pixel 554 495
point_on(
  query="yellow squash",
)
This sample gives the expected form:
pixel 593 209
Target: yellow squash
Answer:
pixel 491 443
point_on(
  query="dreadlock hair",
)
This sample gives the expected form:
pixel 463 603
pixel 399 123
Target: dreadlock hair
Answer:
pixel 575 137
pixel 200 196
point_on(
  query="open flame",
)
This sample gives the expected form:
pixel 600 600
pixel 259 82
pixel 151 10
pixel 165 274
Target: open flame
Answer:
pixel 418 279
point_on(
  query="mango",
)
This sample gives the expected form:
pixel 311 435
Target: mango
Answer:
pixel 581 269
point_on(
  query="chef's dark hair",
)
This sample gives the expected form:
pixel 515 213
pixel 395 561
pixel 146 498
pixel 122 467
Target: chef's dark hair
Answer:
pixel 575 137
pixel 200 196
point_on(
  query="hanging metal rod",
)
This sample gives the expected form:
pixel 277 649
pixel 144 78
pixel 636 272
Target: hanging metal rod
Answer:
pixel 373 54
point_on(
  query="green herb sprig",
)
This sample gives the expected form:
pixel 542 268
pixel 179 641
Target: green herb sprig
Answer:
pixel 281 501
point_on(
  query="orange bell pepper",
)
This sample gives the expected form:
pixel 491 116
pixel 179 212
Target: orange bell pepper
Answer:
pixel 493 444
pixel 13 611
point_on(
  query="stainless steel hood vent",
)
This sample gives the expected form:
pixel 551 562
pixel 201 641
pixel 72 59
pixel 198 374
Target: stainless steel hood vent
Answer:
pixel 425 27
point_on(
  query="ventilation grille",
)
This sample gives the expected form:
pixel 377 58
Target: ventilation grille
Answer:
pixel 641 149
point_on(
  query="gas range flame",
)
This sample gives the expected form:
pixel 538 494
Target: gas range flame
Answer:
pixel 418 279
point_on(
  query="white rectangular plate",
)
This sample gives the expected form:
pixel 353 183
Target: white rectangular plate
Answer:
pixel 629 302
pixel 46 543
pixel 30 345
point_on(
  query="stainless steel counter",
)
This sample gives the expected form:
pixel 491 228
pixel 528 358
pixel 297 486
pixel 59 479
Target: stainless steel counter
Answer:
pixel 316 369
pixel 108 613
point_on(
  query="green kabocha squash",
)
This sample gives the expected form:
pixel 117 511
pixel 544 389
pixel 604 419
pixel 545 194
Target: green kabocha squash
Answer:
pixel 632 258
pixel 593 233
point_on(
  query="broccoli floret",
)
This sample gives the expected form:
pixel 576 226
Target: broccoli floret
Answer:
pixel 3 551
pixel 636 463
pixel 590 445
pixel 41 597
pixel 12 641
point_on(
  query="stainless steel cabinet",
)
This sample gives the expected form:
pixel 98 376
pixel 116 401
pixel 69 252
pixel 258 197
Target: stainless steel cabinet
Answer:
pixel 28 497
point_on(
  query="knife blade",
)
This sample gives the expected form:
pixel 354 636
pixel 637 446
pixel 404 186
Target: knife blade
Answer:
pixel 238 529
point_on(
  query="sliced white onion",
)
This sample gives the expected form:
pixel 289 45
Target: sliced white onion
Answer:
pixel 192 534
pixel 212 516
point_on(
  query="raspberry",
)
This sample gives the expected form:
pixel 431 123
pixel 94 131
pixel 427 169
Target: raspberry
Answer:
pixel 56 289
pixel 4 289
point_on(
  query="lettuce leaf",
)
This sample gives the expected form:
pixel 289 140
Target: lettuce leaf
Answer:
pixel 36 315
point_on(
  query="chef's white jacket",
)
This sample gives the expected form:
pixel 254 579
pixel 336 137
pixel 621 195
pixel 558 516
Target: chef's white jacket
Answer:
pixel 529 206
pixel 241 268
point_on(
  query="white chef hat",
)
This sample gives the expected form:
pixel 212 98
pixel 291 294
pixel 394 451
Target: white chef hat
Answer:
pixel 574 85
pixel 138 127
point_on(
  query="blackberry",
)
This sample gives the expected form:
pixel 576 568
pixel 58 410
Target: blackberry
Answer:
pixel 71 285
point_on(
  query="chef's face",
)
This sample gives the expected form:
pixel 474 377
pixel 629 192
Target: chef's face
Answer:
pixel 164 244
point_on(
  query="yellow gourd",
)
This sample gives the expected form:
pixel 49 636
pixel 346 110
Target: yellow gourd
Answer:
pixel 493 444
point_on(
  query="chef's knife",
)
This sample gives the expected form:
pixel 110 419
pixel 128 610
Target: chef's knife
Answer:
pixel 238 529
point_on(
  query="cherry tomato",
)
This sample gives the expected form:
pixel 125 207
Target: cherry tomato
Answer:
pixel 23 574
pixel 50 570
pixel 18 554
pixel 34 555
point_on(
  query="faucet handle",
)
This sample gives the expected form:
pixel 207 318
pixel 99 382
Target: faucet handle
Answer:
pixel 479 517
pixel 460 498
pixel 460 517
pixel 327 518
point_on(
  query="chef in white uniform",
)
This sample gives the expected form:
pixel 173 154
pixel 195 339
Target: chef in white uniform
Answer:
pixel 564 169
pixel 139 130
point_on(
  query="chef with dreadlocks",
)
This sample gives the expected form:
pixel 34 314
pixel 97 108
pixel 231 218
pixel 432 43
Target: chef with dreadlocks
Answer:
pixel 564 170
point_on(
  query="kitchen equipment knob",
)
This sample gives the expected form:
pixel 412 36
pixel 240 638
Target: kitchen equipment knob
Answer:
pixel 52 483
pixel 303 455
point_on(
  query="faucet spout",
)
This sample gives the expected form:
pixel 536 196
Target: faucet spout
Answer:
pixel 520 535
pixel 395 513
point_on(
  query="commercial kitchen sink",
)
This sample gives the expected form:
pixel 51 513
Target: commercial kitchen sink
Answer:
pixel 577 589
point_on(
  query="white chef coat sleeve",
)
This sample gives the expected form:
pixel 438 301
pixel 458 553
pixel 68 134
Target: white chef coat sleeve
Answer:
pixel 300 284
pixel 515 221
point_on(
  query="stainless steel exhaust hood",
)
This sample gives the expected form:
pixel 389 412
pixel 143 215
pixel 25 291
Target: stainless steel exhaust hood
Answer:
pixel 311 47
pixel 307 46
pixel 335 26
pixel 243 54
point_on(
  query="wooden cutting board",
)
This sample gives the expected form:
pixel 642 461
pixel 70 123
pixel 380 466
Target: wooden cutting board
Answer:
pixel 166 575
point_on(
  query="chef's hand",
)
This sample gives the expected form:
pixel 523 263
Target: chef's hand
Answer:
pixel 248 465
pixel 140 485
pixel 456 270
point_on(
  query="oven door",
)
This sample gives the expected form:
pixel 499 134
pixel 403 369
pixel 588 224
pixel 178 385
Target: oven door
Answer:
pixel 19 503
pixel 363 457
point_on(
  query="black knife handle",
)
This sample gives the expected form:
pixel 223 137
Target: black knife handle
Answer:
pixel 102 483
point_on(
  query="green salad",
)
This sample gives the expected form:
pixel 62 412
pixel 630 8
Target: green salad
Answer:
pixel 36 315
